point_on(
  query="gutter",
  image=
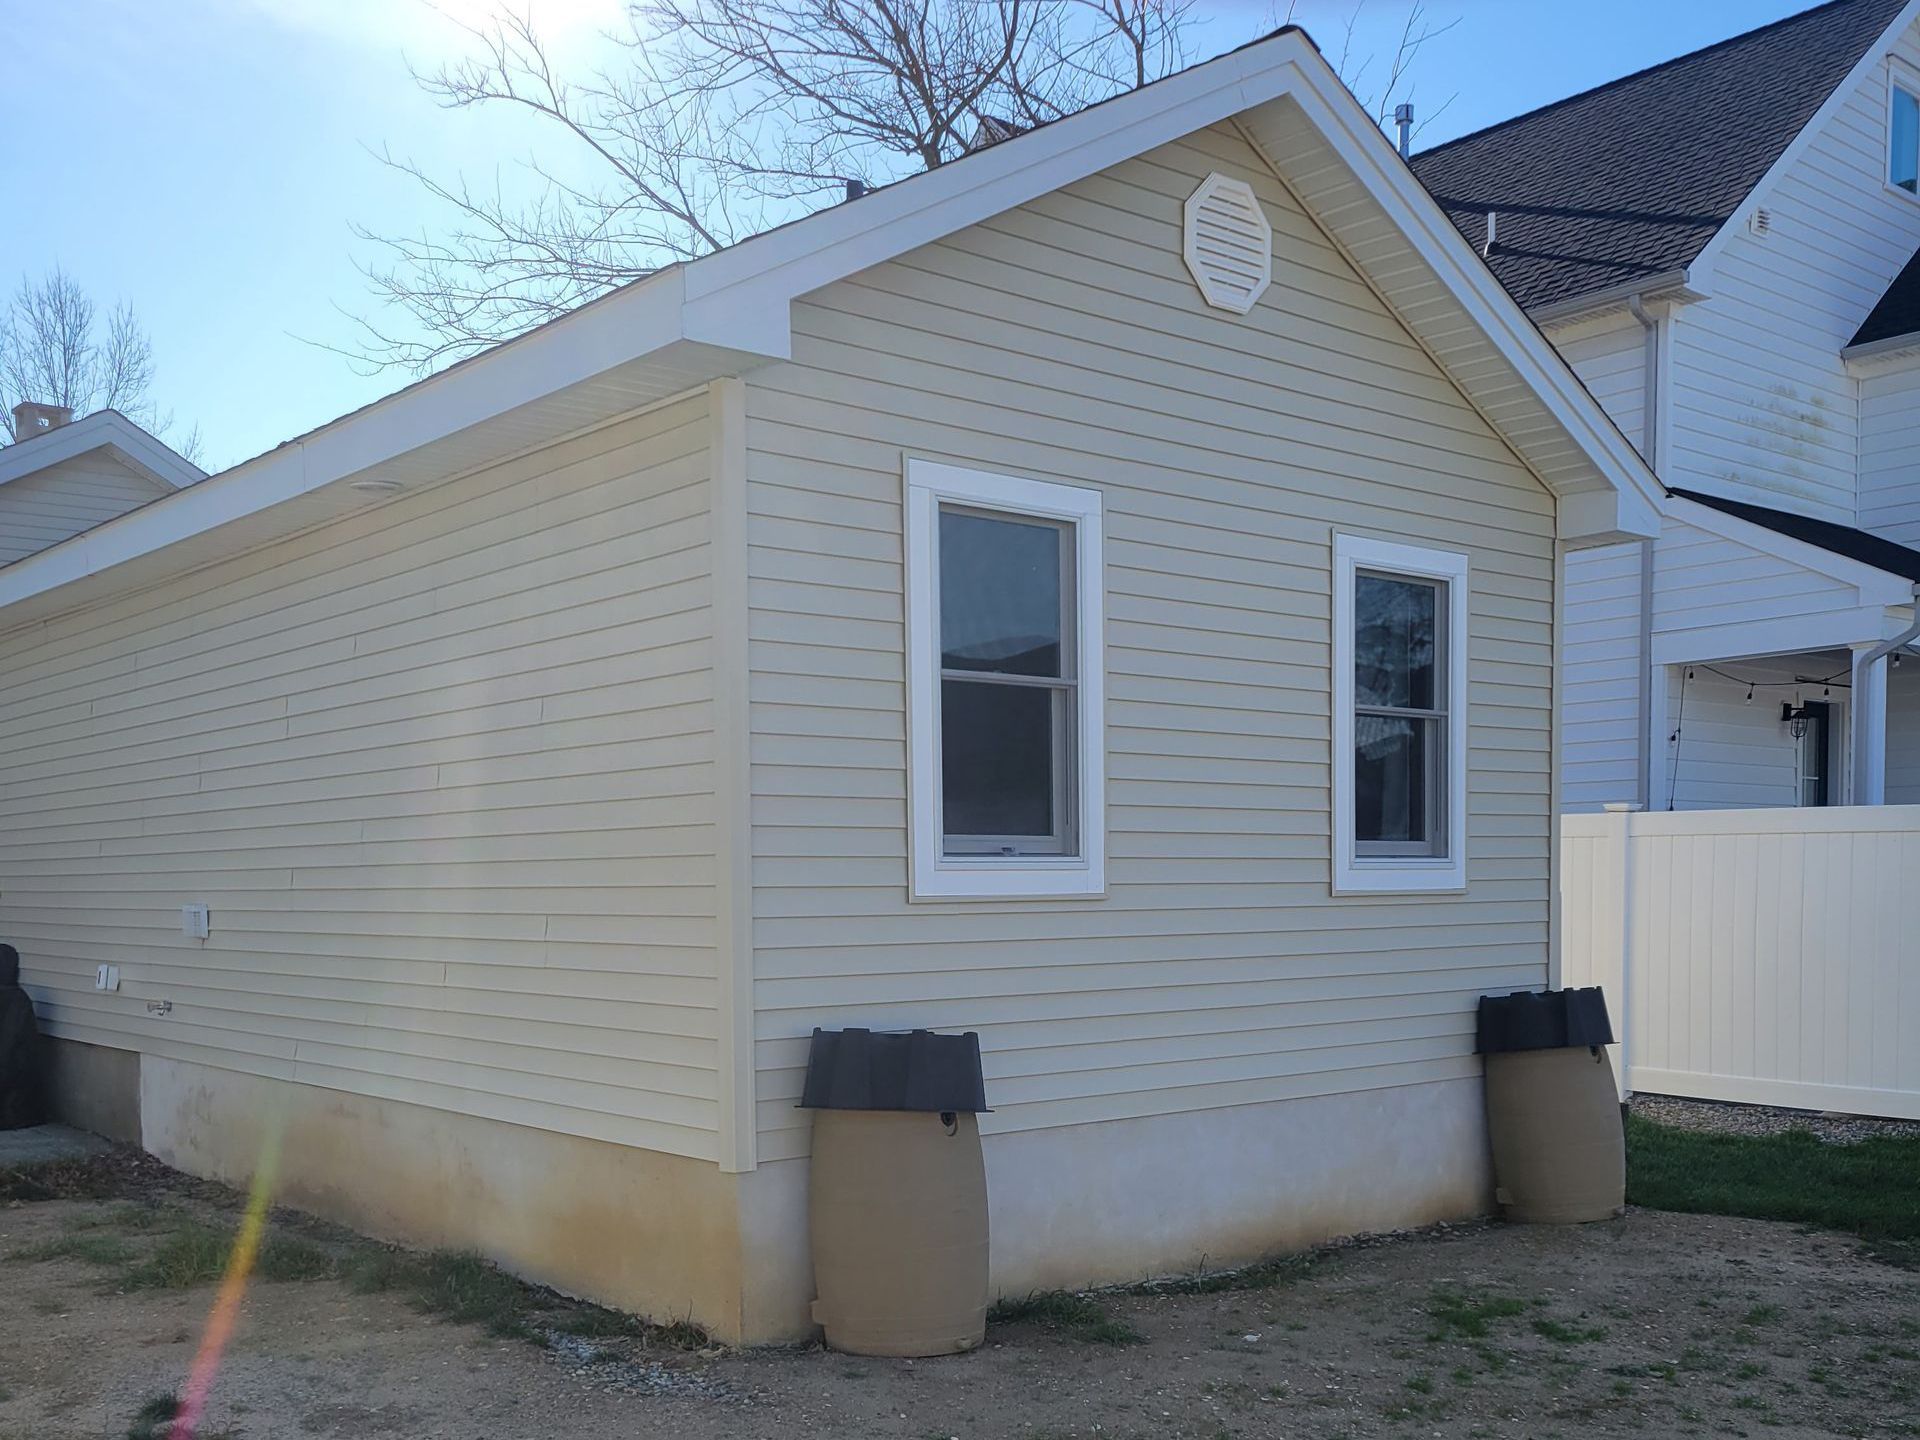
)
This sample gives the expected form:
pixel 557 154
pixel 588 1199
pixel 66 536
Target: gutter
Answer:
pixel 1669 284
pixel 1650 435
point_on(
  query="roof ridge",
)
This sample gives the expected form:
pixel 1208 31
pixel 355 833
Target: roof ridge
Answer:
pixel 1645 70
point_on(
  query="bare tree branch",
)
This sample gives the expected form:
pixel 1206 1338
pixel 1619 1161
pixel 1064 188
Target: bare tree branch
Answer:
pixel 54 349
pixel 721 119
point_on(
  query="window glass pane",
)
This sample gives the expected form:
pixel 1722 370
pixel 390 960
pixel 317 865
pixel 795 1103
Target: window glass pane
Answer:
pixel 1816 746
pixel 1394 625
pixel 1903 141
pixel 1000 756
pixel 1000 594
pixel 1392 766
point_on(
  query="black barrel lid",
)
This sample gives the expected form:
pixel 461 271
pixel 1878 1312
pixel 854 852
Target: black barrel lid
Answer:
pixel 893 1070
pixel 1543 1020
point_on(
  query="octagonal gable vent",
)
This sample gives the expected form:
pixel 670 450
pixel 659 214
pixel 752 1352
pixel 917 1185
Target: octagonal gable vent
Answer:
pixel 1229 245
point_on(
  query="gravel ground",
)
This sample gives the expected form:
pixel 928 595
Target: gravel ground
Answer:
pixel 1717 1117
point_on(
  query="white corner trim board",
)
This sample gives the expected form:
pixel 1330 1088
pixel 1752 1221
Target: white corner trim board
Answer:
pixel 1228 244
pixel 935 874
pixel 1353 872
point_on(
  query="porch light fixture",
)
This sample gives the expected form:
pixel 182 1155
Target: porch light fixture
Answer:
pixel 1794 717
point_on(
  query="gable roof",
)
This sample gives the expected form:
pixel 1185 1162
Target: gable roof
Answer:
pixel 1630 181
pixel 726 313
pixel 1842 540
pixel 1896 315
pixel 146 454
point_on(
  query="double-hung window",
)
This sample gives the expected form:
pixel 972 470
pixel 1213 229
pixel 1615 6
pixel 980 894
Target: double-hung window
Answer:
pixel 1004 690
pixel 1399 717
pixel 1903 131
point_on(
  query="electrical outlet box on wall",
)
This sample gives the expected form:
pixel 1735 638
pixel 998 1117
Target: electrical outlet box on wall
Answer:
pixel 195 921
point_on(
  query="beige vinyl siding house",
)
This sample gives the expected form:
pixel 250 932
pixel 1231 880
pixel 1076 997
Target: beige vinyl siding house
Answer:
pixel 544 807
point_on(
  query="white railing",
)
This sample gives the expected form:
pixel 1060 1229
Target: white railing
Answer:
pixel 1766 956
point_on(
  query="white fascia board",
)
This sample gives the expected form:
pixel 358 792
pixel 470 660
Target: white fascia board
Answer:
pixel 1896 352
pixel 1787 635
pixel 1874 56
pixel 1364 147
pixel 1876 587
pixel 146 454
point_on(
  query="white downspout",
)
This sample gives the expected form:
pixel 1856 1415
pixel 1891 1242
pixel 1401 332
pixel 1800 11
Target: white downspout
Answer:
pixel 1870 712
pixel 1649 440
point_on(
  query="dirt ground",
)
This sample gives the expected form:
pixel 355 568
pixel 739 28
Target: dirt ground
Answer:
pixel 1654 1324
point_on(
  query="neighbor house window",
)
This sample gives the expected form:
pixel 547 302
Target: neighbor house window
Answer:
pixel 1399 722
pixel 1004 686
pixel 1903 136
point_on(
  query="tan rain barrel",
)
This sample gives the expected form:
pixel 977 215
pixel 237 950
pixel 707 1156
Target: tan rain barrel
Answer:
pixel 1553 1111
pixel 897 1194
pixel 899 1220
pixel 1553 1117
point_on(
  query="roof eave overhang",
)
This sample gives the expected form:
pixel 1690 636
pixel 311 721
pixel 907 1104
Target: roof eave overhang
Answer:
pixel 1887 353
pixel 1671 287
pixel 147 455
pixel 732 311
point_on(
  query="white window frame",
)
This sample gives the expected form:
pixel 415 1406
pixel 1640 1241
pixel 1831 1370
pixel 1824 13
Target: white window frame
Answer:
pixel 934 874
pixel 1355 874
pixel 1902 77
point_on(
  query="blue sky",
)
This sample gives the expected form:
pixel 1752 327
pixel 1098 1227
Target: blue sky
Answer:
pixel 205 160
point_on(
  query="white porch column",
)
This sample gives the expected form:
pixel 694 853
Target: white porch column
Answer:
pixel 1869 728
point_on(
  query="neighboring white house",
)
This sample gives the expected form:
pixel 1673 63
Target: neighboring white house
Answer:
pixel 63 476
pixel 1733 234
pixel 1101 593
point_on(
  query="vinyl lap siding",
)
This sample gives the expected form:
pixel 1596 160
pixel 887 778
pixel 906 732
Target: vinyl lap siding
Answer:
pixel 1064 341
pixel 1602 687
pixel 441 770
pixel 1890 454
pixel 1610 357
pixel 1763 407
pixel 59 502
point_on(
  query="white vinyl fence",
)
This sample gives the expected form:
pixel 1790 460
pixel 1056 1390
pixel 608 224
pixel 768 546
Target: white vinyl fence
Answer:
pixel 1767 956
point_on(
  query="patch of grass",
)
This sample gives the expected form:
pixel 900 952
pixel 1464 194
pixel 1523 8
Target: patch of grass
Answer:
pixel 152 1420
pixel 1264 1275
pixel 93 1248
pixel 1562 1333
pixel 1420 1384
pixel 1749 1370
pixel 194 1253
pixel 1762 1315
pixel 1078 1317
pixel 1468 1315
pixel 288 1257
pixel 467 1289
pixel 1866 1189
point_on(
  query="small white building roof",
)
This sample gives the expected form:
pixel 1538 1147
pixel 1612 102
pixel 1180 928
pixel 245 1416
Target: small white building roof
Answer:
pixel 139 450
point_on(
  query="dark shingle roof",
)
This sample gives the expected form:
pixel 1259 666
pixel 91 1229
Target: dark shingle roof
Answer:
pixel 1838 539
pixel 1898 311
pixel 1631 180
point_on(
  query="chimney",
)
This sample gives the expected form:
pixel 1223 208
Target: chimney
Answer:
pixel 1403 117
pixel 31 418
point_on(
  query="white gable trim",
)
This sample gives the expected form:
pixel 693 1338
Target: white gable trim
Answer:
pixel 1701 272
pixel 146 455
pixel 730 311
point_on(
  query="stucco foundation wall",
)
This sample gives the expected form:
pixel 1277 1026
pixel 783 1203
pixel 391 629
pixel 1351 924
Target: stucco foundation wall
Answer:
pixel 95 1087
pixel 1167 1194
pixel 647 1232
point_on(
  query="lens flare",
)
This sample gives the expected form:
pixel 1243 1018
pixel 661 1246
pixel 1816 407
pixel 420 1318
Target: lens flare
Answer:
pixel 233 1286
